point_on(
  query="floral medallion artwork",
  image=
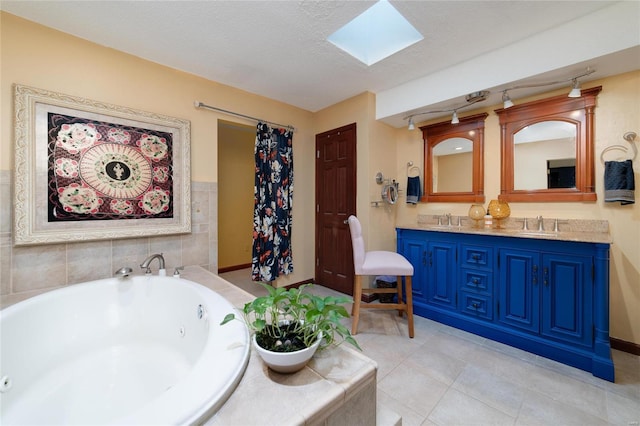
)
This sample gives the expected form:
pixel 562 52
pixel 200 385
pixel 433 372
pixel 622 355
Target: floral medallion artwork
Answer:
pixel 87 170
pixel 105 171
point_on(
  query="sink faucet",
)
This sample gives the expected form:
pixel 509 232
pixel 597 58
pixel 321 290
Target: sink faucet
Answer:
pixel 145 265
pixel 448 216
pixel 540 224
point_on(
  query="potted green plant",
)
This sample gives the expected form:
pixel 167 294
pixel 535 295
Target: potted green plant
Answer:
pixel 289 325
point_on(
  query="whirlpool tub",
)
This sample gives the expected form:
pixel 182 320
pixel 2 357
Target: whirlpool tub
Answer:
pixel 136 350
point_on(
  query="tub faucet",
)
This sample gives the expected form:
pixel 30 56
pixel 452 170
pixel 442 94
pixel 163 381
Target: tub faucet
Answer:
pixel 145 265
pixel 123 272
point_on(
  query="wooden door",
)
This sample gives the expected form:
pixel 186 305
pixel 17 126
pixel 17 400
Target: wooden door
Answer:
pixel 335 201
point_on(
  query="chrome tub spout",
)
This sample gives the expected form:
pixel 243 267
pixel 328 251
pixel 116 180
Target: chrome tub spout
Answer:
pixel 147 269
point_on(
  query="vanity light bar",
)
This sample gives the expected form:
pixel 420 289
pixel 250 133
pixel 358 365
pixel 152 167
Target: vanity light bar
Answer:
pixel 480 96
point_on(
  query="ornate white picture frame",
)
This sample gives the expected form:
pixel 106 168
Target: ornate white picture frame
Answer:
pixel 86 170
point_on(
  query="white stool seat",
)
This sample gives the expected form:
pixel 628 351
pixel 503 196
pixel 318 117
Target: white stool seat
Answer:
pixel 385 263
pixel 379 263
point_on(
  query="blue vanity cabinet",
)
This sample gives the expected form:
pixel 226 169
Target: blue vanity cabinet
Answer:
pixel 547 293
pixel 415 249
pixel 476 281
pixel 567 298
pixel 549 297
pixel 441 274
pixel 434 277
pixel 519 290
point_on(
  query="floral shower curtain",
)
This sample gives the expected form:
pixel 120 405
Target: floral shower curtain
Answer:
pixel 273 193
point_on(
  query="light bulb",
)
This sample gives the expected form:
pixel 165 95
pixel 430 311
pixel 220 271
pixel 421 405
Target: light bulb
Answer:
pixel 575 91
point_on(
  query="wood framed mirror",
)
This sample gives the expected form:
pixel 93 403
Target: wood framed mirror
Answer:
pixel 548 149
pixel 454 160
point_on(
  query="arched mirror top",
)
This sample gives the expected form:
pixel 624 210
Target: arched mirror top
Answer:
pixel 454 156
pixel 452 146
pixel 548 150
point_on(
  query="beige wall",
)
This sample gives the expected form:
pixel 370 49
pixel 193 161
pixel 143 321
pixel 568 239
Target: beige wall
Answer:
pixel 452 173
pixel 618 111
pixel 530 161
pixel 44 58
pixel 37 56
pixel 236 170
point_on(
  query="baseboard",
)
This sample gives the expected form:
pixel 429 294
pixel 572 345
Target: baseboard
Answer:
pixel 233 268
pixel 299 283
pixel 624 346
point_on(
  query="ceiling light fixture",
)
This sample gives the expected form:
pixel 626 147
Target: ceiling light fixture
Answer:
pixel 575 89
pixel 506 100
pixel 471 98
pixel 480 96
pixel 474 97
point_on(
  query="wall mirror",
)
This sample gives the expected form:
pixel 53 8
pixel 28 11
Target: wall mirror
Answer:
pixel 454 158
pixel 544 156
pixel 547 149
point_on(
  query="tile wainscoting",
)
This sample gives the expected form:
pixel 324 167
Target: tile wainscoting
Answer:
pixel 29 270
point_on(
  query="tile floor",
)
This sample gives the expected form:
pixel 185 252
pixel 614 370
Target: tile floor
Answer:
pixel 445 376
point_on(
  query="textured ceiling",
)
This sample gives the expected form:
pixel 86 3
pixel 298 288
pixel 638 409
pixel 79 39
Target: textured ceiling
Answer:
pixel 278 49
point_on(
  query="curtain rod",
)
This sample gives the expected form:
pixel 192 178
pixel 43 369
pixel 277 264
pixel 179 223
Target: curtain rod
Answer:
pixel 201 105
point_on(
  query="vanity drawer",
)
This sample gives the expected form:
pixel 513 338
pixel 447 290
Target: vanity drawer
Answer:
pixel 477 256
pixel 477 305
pixel 476 281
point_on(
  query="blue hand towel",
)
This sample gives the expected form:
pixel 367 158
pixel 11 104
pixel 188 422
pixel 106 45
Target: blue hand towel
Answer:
pixel 414 191
pixel 619 184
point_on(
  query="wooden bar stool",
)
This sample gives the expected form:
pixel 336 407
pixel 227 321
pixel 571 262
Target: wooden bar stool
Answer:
pixel 378 263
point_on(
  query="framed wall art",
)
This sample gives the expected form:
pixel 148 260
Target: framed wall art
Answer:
pixel 87 170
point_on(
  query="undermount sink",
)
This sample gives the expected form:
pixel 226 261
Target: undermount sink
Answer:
pixel 538 234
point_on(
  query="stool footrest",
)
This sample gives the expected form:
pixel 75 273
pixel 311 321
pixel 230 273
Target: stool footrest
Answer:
pixel 400 306
pixel 380 290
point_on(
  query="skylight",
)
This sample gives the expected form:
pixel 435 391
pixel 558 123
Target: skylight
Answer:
pixel 377 33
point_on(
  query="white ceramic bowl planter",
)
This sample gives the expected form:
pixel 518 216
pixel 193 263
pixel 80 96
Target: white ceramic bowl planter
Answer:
pixel 287 362
pixel 301 318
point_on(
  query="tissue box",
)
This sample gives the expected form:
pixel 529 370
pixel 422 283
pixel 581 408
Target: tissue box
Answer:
pixel 386 282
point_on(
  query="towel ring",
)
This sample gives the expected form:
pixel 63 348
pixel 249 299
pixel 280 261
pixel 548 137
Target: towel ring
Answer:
pixel 414 169
pixel 629 137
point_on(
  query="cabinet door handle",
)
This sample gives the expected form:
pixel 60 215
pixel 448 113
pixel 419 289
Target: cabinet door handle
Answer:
pixel 545 272
pixel 534 276
pixel 424 257
pixel 430 258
